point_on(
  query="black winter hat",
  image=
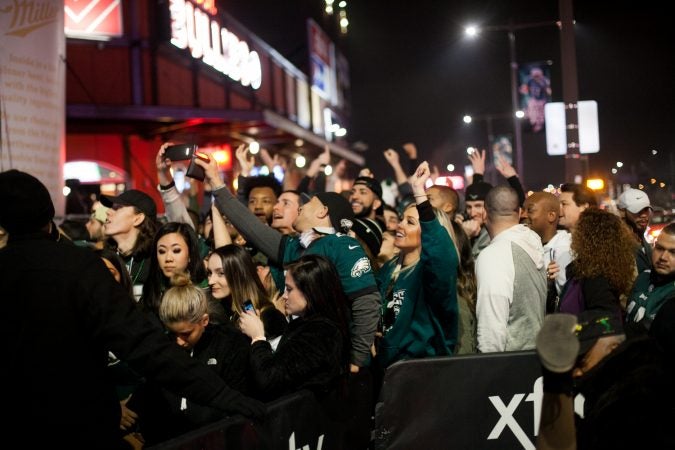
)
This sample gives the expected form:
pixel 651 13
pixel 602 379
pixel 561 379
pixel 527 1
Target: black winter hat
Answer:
pixel 477 191
pixel 339 210
pixel 25 203
pixel 138 199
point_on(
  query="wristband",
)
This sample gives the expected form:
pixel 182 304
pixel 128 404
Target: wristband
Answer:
pixel 166 187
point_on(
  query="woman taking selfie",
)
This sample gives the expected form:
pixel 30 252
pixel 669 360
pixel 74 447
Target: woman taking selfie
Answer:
pixel 233 279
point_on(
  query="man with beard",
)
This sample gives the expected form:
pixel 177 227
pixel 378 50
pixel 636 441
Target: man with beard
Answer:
pixel 366 198
pixel 653 288
pixel 636 210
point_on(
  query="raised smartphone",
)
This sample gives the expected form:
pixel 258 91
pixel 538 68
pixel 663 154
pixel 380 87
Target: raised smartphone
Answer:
pixel 180 152
pixel 195 171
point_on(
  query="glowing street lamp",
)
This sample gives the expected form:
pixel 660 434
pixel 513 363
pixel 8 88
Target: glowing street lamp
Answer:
pixel 472 31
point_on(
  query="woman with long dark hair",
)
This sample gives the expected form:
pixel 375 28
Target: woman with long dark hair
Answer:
pixel 233 279
pixel 175 249
pixel 314 350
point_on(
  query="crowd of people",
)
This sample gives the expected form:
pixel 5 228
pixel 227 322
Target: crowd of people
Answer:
pixel 159 325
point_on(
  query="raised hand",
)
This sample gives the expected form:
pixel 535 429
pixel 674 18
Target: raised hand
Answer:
pixel 324 157
pixel 267 159
pixel 163 165
pixel 435 173
pixel 317 164
pixel 477 159
pixel 410 150
pixel 392 157
pixel 504 167
pixel 419 178
pixel 246 161
pixel 211 173
pixel 366 172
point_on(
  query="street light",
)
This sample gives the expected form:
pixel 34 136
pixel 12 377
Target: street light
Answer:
pixel 473 31
pixel 489 118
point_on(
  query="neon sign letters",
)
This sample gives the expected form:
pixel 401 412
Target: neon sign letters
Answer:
pixel 194 29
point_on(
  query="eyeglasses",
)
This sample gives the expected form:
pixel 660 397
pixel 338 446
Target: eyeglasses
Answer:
pixel 117 206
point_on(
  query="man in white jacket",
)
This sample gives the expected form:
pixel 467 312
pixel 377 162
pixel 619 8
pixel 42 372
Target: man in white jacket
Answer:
pixel 511 278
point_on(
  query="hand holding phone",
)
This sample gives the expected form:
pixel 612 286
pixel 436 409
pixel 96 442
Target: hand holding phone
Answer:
pixel 248 306
pixel 195 171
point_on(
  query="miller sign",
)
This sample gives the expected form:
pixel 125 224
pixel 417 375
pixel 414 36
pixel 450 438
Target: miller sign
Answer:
pixel 194 29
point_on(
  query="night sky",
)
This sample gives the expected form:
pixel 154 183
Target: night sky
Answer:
pixel 414 75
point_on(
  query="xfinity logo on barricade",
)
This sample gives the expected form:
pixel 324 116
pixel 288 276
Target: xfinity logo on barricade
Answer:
pixel 506 412
pixel 216 46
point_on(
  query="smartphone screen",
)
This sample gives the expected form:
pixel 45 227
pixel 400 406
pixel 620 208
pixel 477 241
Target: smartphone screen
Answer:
pixel 248 306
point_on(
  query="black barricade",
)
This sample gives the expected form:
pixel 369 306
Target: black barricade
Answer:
pixel 487 401
pixel 298 421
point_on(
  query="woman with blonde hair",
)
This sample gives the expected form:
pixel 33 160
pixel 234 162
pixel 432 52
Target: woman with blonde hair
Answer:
pixel 184 312
pixel 603 269
pixel 419 287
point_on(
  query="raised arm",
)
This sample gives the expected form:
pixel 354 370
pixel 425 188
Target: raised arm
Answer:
pixel 221 236
pixel 477 159
pixel 393 159
pixel 439 257
pixel 174 208
pixel 511 176
pixel 264 238
pixel 315 171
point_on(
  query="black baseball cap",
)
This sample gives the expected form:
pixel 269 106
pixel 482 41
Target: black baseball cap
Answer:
pixel 370 183
pixel 339 210
pixel 133 197
pixel 370 232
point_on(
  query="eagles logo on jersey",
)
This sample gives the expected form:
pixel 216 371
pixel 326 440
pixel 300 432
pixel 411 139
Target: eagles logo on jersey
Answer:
pixel 360 267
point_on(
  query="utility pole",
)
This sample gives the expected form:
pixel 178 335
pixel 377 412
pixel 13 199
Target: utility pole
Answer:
pixel 574 172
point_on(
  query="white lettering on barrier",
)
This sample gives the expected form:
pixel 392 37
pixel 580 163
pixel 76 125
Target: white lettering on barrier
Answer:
pixel 291 443
pixel 193 29
pixel 506 418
